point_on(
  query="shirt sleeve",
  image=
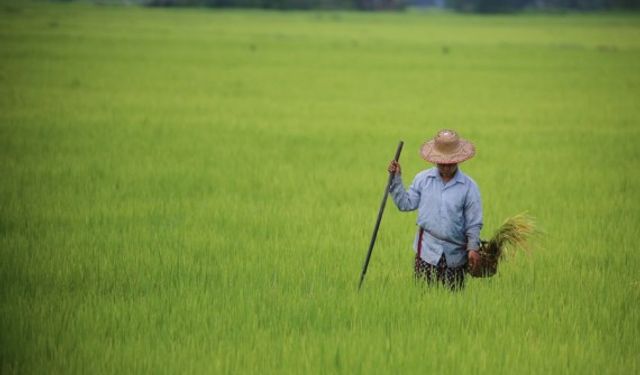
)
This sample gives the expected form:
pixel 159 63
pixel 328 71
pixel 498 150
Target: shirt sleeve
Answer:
pixel 405 200
pixel 473 218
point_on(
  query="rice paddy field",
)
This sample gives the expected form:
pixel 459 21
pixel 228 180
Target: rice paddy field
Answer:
pixel 193 191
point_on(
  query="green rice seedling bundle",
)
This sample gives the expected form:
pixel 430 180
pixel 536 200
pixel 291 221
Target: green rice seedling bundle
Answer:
pixel 513 234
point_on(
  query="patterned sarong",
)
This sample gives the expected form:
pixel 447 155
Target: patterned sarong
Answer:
pixel 453 278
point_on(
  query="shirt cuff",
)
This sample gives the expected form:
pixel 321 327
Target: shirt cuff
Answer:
pixel 473 244
pixel 396 180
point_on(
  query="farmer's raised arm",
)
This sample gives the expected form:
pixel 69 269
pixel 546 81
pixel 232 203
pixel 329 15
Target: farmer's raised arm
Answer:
pixel 473 217
pixel 404 200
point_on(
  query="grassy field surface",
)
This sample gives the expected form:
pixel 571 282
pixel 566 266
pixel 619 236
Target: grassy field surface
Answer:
pixel 193 191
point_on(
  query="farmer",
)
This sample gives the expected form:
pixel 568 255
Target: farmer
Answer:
pixel 449 211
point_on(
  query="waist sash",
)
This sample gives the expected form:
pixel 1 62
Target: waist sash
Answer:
pixel 441 238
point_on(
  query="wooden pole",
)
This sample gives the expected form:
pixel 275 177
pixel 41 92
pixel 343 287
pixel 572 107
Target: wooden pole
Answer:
pixel 377 226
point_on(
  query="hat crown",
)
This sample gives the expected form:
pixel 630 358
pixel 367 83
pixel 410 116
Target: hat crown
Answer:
pixel 447 141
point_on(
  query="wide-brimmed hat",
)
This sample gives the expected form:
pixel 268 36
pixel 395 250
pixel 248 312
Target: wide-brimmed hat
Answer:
pixel 447 148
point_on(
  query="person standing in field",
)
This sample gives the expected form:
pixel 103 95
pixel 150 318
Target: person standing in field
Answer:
pixel 449 211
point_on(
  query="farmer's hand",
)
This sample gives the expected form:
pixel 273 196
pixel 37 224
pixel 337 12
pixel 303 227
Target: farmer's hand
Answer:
pixel 394 167
pixel 474 258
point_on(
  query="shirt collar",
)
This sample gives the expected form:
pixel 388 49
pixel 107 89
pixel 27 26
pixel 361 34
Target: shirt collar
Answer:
pixel 432 172
pixel 458 177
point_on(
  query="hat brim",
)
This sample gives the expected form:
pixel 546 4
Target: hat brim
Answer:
pixel 465 151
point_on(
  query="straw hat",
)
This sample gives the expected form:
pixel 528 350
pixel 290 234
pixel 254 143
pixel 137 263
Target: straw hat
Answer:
pixel 447 148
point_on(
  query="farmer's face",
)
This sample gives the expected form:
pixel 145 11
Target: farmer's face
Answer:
pixel 447 170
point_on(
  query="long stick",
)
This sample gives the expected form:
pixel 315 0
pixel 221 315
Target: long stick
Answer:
pixel 375 229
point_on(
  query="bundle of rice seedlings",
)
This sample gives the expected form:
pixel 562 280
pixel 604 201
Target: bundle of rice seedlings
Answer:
pixel 512 234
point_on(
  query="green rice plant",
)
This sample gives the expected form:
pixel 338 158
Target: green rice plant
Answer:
pixel 191 192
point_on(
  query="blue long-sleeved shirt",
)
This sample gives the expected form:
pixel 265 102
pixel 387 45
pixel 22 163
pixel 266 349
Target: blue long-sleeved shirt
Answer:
pixel 450 214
